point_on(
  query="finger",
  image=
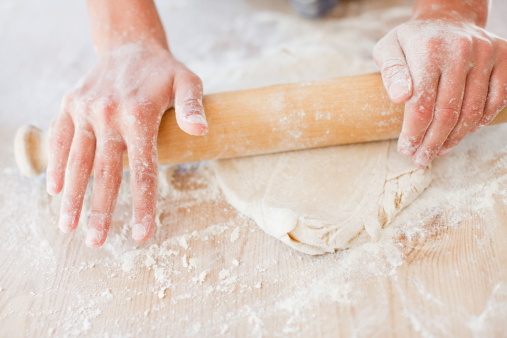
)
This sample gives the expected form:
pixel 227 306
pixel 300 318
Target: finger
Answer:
pixel 60 140
pixel 447 109
pixel 108 167
pixel 497 95
pixel 390 58
pixel 418 110
pixel 474 101
pixel 188 103
pixel 76 178
pixel 142 152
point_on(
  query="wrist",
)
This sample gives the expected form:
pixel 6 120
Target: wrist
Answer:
pixel 118 23
pixel 473 12
pixel 127 51
pixel 110 44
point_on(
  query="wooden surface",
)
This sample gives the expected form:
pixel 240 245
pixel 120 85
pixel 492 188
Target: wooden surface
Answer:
pixel 440 270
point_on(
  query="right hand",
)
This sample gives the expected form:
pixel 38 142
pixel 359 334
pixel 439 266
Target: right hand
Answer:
pixel 118 107
pixel 450 73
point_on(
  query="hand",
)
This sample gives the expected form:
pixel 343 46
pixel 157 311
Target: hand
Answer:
pixel 118 107
pixel 452 76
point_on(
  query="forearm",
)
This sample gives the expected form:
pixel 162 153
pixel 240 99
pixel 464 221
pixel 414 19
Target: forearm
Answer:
pixel 117 22
pixel 474 11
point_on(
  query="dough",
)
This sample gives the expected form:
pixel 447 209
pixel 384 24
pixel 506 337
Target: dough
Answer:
pixel 321 200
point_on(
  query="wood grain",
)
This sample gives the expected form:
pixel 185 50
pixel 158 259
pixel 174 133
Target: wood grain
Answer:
pixel 450 282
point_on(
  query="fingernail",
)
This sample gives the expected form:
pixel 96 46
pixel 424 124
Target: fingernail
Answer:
pixel 398 89
pixel 197 119
pixel 93 237
pixel 139 232
pixel 65 223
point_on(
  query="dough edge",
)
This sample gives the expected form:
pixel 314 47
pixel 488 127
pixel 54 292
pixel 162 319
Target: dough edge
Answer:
pixel 403 184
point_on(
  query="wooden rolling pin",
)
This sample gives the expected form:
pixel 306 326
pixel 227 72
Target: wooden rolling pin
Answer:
pixel 264 120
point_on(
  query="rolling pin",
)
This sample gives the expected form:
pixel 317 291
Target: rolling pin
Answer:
pixel 264 120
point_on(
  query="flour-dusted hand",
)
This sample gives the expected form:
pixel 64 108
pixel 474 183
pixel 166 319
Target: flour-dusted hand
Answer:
pixel 449 71
pixel 118 107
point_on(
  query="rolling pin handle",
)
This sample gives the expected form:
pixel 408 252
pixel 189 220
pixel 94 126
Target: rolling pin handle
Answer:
pixel 30 150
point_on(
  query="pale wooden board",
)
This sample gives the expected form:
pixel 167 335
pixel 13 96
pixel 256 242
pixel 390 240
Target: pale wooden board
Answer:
pixel 445 279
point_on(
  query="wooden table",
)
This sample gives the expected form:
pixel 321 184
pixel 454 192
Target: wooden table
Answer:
pixel 439 270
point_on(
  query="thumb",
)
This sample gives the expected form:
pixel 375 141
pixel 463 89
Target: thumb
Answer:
pixel 188 104
pixel 390 58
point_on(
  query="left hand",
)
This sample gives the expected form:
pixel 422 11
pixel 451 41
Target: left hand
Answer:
pixel 452 76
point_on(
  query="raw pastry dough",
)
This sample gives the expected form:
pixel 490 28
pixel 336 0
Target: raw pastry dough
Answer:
pixel 321 200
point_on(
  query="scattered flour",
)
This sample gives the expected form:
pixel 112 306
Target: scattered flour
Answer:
pixel 170 282
pixel 224 274
pixel 235 235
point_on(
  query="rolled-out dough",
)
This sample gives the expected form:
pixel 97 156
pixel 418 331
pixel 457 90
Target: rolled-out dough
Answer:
pixel 321 200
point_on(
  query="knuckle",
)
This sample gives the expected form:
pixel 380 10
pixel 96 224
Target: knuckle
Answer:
pixel 432 45
pixel 107 170
pixel 485 47
pixel 142 211
pixel 430 149
pixel 463 45
pixel 146 176
pixel 57 142
pixel 71 204
pixel 110 142
pixel 67 99
pixel 77 162
pixel 190 77
pixel 473 115
pixel 105 109
pixel 393 68
pixel 105 104
pixel 423 114
pixel 137 115
pixel 100 216
pixel 448 115
pixel 194 79
pixel 80 106
pixel 84 129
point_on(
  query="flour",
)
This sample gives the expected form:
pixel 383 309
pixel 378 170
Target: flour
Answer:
pixel 235 235
pixel 67 282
